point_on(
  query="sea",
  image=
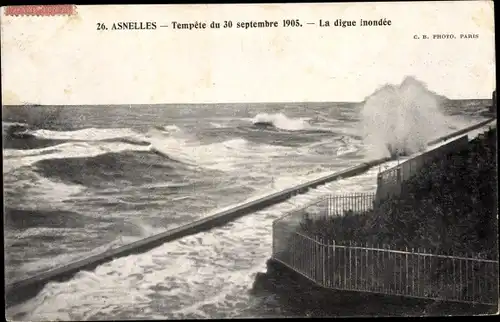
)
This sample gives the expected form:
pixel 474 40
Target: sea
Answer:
pixel 79 180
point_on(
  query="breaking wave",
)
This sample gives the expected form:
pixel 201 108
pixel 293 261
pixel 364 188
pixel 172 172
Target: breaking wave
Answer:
pixel 168 141
pixel 281 121
pixel 400 120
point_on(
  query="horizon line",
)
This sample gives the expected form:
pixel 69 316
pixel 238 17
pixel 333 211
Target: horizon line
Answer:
pixel 227 103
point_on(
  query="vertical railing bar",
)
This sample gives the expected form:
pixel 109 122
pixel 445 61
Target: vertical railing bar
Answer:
pixel 316 258
pixel 364 269
pixel 383 266
pixel 393 261
pixel 427 272
pixel 344 250
pixel 479 284
pixel 460 279
pixel 354 281
pixel 385 260
pixel 303 254
pixel 326 254
pixel 320 260
pixel 399 261
pixel 486 282
pixel 423 269
pixel 334 268
pixel 311 253
pixel 467 297
pixel 357 285
pixel 333 254
pixel 443 274
pixel 350 263
pixel 406 272
pixel 307 257
pixel 378 265
pixel 473 282
pixel 375 268
pixel 328 268
pixel 300 253
pixel 330 206
pixel 342 202
pixel 381 270
pixel 490 285
pixel 337 281
pixel 360 256
pixel 323 258
pixel 335 271
pixel 361 270
pixel 454 287
pixel 368 268
pixel 394 271
pixel 413 272
pixel 400 273
pixel 312 264
pixel 418 271
pixel 431 258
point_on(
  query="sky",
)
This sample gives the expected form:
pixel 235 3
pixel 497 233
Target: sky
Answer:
pixel 66 61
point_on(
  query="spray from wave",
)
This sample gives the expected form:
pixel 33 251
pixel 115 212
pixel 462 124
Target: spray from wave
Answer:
pixel 281 121
pixel 400 120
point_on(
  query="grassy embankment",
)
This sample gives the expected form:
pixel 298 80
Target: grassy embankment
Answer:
pixel 449 208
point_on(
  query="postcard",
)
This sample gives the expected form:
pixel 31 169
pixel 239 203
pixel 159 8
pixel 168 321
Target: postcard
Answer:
pixel 249 160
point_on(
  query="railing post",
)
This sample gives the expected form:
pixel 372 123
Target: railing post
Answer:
pixel 316 258
pixel 460 279
pixel 407 284
pixel 418 272
pixel 413 272
pixel 311 258
pixel 454 276
pixel 322 245
pixel 394 263
pixel 345 265
pixel 356 273
pixel 350 265
pixel 424 266
pixel 333 268
pixel 467 298
pixel 375 271
pixel 473 282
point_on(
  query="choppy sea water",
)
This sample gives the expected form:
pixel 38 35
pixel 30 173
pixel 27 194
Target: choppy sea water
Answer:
pixel 97 177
